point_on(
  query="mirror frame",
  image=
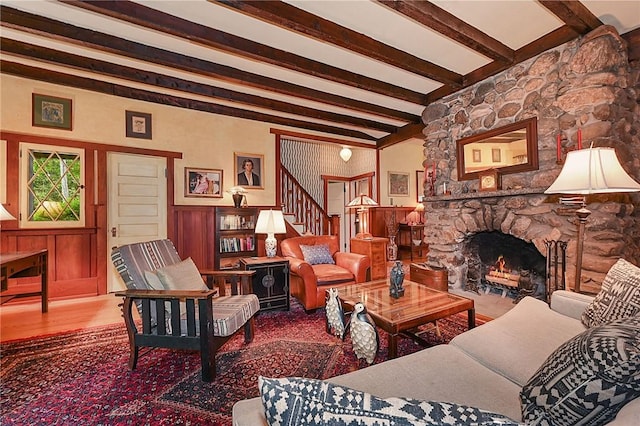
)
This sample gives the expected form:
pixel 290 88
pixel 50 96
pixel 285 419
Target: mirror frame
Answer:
pixel 531 127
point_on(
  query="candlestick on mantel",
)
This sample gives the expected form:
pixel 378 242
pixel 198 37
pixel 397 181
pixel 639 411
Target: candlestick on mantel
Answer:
pixel 434 170
pixel 559 149
pixel 579 138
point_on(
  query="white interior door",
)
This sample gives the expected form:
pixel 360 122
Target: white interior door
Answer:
pixel 336 202
pixel 137 203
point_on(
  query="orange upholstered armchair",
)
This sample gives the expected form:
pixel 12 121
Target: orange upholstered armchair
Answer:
pixel 316 264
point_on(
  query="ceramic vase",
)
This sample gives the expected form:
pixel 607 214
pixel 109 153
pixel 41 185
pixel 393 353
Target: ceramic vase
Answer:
pixel 392 249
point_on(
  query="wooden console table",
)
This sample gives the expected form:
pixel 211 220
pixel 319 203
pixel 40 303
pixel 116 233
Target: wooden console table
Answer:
pixel 24 264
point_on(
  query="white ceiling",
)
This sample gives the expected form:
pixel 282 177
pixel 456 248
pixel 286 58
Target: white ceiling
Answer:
pixel 515 23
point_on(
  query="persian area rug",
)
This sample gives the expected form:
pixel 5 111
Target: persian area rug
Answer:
pixel 82 377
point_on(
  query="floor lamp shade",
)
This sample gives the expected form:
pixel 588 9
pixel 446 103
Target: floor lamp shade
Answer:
pixel 270 222
pixel 590 171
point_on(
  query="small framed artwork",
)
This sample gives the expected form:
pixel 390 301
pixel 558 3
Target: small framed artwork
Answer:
pixel 202 183
pixel 420 185
pixel 51 111
pixel 248 170
pixel 398 183
pixel 477 156
pixel 495 155
pixel 138 125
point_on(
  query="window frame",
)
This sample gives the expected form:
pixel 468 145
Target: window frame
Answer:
pixel 24 149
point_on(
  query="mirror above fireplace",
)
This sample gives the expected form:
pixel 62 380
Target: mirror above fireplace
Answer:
pixel 511 149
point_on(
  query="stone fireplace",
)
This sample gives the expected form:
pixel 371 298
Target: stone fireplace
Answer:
pixel 586 84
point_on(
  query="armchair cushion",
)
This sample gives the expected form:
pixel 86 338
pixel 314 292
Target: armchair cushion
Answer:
pixel 317 254
pixel 183 275
pixel 331 274
pixel 232 312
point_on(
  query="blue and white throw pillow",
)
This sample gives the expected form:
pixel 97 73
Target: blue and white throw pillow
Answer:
pixel 301 402
pixel 588 379
pixel 317 254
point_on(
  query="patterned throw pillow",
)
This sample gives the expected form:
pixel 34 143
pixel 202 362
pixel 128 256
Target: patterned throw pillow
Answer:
pixel 318 254
pixel 300 402
pixel 588 379
pixel 618 298
pixel 181 276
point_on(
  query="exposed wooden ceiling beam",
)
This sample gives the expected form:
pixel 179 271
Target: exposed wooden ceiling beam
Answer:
pixel 35 73
pixel 33 24
pixel 574 14
pixel 168 82
pixel 633 41
pixel 150 18
pixel 413 130
pixel 294 19
pixel 449 25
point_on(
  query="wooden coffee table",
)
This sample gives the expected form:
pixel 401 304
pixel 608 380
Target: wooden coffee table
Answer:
pixel 420 305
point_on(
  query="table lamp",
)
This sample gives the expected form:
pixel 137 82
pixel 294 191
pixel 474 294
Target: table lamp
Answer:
pixel 590 171
pixel 362 203
pixel 237 193
pixel 270 222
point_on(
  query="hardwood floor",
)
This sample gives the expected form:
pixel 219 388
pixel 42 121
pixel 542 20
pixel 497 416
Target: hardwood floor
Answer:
pixel 24 320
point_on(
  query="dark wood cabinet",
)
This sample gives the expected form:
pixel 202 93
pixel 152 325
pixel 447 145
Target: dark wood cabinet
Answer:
pixel 235 236
pixel 270 282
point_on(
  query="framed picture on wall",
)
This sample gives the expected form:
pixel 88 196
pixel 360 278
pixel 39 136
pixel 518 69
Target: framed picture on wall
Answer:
pixel 495 155
pixel 51 111
pixel 398 183
pixel 477 156
pixel 248 170
pixel 419 185
pixel 138 125
pixel 202 183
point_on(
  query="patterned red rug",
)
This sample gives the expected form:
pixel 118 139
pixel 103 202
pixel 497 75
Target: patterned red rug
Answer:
pixel 82 377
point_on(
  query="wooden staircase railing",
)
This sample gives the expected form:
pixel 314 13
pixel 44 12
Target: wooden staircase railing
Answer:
pixel 297 201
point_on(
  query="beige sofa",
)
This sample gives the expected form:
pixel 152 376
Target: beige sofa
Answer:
pixel 485 367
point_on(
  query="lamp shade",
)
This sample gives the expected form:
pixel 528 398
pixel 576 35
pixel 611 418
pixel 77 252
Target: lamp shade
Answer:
pixel 345 154
pixel 361 202
pixel 270 222
pixel 592 171
pixel 5 215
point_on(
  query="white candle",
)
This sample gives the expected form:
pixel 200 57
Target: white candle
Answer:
pixel 444 188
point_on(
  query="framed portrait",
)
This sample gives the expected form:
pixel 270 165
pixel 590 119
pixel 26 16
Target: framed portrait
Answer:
pixel 138 124
pixel 495 155
pixel 398 183
pixel 477 156
pixel 248 170
pixel 51 111
pixel 419 185
pixel 202 183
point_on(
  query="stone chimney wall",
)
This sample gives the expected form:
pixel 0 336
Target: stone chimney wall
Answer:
pixel 587 83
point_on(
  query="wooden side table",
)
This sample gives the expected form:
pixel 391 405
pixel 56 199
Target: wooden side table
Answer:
pixel 24 264
pixel 270 282
pixel 376 249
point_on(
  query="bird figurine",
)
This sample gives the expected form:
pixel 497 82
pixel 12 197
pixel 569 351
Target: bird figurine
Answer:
pixel 364 334
pixel 335 314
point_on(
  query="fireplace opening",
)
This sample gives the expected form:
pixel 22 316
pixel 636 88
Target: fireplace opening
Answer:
pixel 502 262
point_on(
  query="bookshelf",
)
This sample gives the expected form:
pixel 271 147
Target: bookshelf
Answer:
pixel 235 236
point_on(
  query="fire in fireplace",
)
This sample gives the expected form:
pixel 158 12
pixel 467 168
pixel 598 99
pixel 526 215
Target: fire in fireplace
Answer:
pixel 501 261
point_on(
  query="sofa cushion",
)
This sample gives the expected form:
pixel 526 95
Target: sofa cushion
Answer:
pixel 619 296
pixel 331 274
pixel 523 336
pixel 317 254
pixel 300 401
pixel 588 379
pixel 183 275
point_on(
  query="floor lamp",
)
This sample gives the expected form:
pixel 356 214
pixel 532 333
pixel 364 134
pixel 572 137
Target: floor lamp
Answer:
pixel 362 203
pixel 590 171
